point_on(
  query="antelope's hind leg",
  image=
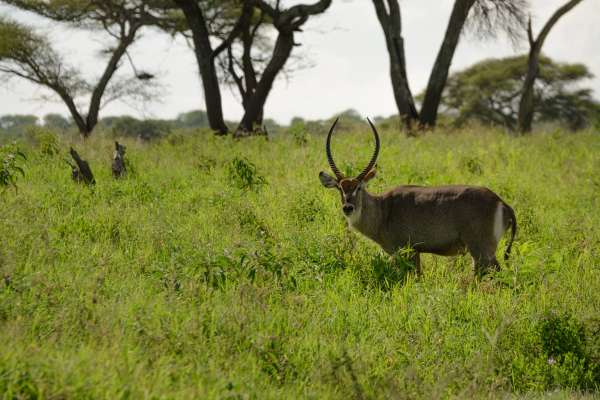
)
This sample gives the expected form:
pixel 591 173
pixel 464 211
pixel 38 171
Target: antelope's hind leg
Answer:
pixel 484 258
pixel 416 259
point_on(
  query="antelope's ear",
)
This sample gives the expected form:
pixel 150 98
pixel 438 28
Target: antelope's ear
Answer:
pixel 370 175
pixel 327 180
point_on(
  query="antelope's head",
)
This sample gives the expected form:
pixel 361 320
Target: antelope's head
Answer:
pixel 351 189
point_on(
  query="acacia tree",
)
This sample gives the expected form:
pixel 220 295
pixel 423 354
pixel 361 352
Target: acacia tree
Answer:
pixel 240 67
pixel 248 55
pixel 253 76
pixel 207 19
pixel 487 16
pixel 30 56
pixel 287 22
pixel 489 92
pixel 527 104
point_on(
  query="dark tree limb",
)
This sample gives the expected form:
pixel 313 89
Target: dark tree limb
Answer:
pixel 81 172
pixel 439 73
pixel 287 22
pixel 391 24
pixel 527 104
pixel 119 168
pixel 205 58
pixel 488 15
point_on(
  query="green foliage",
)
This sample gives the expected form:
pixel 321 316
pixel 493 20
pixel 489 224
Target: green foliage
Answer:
pixel 13 127
pixel 383 272
pixel 244 175
pixel 11 166
pixel 489 92
pixel 192 119
pixel 27 54
pixel 298 131
pixel 126 126
pixel 44 139
pixel 57 122
pixel 557 354
pixel 175 283
pixel 15 40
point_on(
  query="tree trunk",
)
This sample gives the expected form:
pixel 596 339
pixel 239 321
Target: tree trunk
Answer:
pixel 527 103
pixel 81 172
pixel 250 77
pixel 256 102
pixel 286 22
pixel 81 122
pixel 439 73
pixel 109 71
pixel 206 64
pixel 392 30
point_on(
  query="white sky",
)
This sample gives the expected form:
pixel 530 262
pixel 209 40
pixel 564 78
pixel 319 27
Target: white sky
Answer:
pixel 345 45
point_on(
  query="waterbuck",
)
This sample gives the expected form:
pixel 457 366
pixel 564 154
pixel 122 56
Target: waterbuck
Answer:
pixel 443 220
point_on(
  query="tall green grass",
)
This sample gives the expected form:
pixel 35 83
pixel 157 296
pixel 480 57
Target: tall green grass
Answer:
pixel 222 269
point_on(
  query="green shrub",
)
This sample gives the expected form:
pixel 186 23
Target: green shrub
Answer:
pixel 385 271
pixel 243 174
pixel 12 159
pixel 45 140
pixel 558 354
pixel 299 133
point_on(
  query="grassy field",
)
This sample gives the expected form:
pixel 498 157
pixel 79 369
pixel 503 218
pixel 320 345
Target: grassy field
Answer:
pixel 222 269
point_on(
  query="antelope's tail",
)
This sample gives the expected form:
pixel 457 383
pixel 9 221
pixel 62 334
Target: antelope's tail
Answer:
pixel 512 219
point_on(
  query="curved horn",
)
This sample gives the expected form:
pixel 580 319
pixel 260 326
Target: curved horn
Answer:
pixel 335 170
pixel 375 153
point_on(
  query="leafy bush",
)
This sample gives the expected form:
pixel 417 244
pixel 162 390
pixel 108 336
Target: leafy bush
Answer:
pixel 559 354
pixel 11 158
pixel 384 271
pixel 243 174
pixel 45 139
pixel 299 133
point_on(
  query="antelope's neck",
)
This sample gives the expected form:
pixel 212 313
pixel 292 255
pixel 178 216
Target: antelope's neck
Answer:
pixel 368 220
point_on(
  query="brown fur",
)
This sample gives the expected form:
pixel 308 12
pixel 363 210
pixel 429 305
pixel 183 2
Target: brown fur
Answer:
pixel 443 220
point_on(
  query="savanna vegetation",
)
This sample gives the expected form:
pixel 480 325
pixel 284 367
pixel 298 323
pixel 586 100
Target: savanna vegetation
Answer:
pixel 220 268
pixel 204 260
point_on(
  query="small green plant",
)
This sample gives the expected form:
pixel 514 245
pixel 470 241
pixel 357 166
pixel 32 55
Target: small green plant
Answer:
pixel 559 354
pixel 384 271
pixel 12 158
pixel 176 138
pixel 299 133
pixel 274 361
pixel 205 164
pixel 45 140
pixel 243 174
pixel 472 164
pixel 251 223
pixel 308 210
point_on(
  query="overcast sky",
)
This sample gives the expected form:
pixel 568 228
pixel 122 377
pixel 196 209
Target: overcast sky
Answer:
pixel 345 47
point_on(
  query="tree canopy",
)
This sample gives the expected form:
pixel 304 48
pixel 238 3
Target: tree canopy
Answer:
pixel 29 55
pixel 489 91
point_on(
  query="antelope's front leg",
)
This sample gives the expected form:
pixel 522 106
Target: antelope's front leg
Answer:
pixel 416 259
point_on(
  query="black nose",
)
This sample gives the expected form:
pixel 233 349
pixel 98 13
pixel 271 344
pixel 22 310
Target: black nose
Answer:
pixel 348 208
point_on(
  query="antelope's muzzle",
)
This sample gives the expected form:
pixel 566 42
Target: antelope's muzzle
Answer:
pixel 348 209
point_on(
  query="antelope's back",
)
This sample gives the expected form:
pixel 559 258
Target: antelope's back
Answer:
pixel 440 212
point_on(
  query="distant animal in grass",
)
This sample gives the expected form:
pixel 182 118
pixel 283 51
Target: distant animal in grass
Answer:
pixel 118 165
